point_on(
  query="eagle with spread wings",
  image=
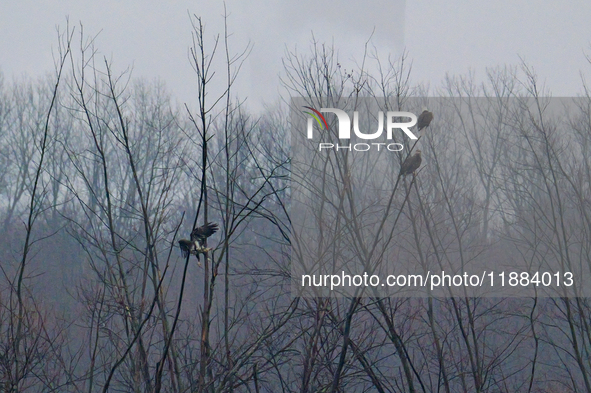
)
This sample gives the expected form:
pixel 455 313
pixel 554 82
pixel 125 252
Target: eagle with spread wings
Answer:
pixel 197 243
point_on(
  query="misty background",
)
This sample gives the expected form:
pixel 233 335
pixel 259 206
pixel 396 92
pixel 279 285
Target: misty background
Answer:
pixel 102 174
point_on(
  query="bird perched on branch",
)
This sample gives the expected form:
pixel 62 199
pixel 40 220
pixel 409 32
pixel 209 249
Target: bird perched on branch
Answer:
pixel 424 119
pixel 411 164
pixel 197 243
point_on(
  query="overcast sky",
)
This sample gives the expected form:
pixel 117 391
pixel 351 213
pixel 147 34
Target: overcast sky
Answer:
pixel 441 36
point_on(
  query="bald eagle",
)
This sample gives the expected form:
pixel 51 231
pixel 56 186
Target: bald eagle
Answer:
pixel 187 247
pixel 201 233
pixel 411 164
pixel 424 119
pixel 197 243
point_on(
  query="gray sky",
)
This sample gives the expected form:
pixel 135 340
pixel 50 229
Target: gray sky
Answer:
pixel 451 36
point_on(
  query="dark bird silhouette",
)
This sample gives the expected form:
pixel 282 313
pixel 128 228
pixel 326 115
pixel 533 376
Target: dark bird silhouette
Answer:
pixel 411 164
pixel 187 247
pixel 197 243
pixel 424 119
pixel 201 233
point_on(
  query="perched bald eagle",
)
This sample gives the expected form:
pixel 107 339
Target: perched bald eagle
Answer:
pixel 424 119
pixel 411 164
pixel 197 243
